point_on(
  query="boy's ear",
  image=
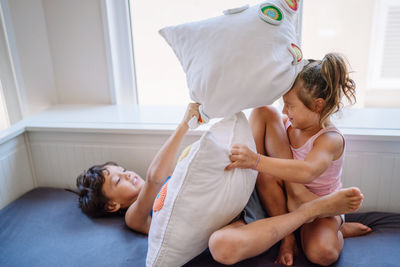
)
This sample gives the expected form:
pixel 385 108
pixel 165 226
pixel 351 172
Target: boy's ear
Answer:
pixel 112 206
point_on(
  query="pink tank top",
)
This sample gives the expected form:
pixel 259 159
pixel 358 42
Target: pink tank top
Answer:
pixel 329 181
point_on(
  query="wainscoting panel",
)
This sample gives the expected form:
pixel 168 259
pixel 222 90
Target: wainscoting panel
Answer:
pixel 374 168
pixel 16 177
pixel 371 165
pixel 60 157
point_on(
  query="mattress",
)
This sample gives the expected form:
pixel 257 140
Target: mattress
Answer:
pixel 45 227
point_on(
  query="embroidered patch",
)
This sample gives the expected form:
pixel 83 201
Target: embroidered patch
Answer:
pixel 270 13
pixel 185 152
pixel 159 202
pixel 291 5
pixel 296 53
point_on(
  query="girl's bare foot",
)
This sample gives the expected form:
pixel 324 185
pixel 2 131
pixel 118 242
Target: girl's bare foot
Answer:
pixel 352 229
pixel 340 202
pixel 287 250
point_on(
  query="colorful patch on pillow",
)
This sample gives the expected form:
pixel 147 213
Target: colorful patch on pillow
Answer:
pixel 243 59
pixel 201 196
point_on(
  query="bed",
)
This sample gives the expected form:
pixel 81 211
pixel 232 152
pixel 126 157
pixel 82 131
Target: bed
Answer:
pixel 45 227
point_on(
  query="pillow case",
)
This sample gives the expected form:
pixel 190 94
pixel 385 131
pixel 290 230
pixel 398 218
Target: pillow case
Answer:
pixel 201 196
pixel 247 58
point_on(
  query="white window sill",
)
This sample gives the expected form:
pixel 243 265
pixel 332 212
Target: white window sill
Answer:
pixel 361 124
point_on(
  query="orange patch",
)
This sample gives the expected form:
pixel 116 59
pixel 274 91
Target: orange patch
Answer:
pixel 159 202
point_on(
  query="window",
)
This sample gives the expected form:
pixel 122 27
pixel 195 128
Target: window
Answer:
pixel 159 75
pixel 344 26
pixel 348 27
pixel 10 112
pixel 385 73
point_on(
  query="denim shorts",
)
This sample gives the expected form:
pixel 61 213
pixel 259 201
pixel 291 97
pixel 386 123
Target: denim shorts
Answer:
pixel 253 210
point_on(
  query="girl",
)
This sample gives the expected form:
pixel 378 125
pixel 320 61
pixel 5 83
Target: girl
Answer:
pixel 318 152
pixel 109 188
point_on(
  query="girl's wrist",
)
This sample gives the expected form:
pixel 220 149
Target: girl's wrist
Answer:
pixel 257 160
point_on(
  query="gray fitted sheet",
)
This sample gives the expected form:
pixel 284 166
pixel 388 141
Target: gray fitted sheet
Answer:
pixel 45 227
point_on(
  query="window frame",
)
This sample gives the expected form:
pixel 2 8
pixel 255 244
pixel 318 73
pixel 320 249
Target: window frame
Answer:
pixel 119 51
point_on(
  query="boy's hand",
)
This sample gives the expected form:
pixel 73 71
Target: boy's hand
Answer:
pixel 192 110
pixel 242 157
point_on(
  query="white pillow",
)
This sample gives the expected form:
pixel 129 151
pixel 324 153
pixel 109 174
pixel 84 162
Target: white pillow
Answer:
pixel 201 196
pixel 238 61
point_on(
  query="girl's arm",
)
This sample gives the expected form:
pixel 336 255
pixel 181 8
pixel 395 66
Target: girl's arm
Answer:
pixel 138 216
pixel 327 148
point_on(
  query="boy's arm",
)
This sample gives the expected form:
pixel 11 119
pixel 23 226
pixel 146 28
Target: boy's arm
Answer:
pixel 138 216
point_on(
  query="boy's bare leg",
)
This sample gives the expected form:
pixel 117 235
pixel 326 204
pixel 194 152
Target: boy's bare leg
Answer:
pixel 271 139
pixel 298 194
pixel 239 241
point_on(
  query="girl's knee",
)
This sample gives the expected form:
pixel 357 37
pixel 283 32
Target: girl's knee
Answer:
pixel 266 113
pixel 323 255
pixel 224 247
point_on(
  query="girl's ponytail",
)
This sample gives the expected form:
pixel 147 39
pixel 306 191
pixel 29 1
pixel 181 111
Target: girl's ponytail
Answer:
pixel 327 79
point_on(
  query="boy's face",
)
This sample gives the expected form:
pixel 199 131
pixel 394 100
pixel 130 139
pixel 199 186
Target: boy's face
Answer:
pixel 120 186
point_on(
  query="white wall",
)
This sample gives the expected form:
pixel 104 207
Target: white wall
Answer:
pixel 33 56
pixel 58 47
pixel 76 37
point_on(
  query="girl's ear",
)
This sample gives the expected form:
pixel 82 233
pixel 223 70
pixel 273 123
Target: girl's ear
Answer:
pixel 112 206
pixel 319 105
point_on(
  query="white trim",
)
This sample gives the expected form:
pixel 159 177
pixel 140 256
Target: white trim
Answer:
pixel 379 22
pixel 30 160
pixel 357 124
pixel 119 51
pixel 4 118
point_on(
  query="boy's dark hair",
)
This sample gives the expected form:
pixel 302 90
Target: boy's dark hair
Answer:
pixel 92 201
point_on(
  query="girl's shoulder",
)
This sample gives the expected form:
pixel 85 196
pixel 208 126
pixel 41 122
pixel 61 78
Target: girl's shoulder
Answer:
pixel 331 137
pixel 330 132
